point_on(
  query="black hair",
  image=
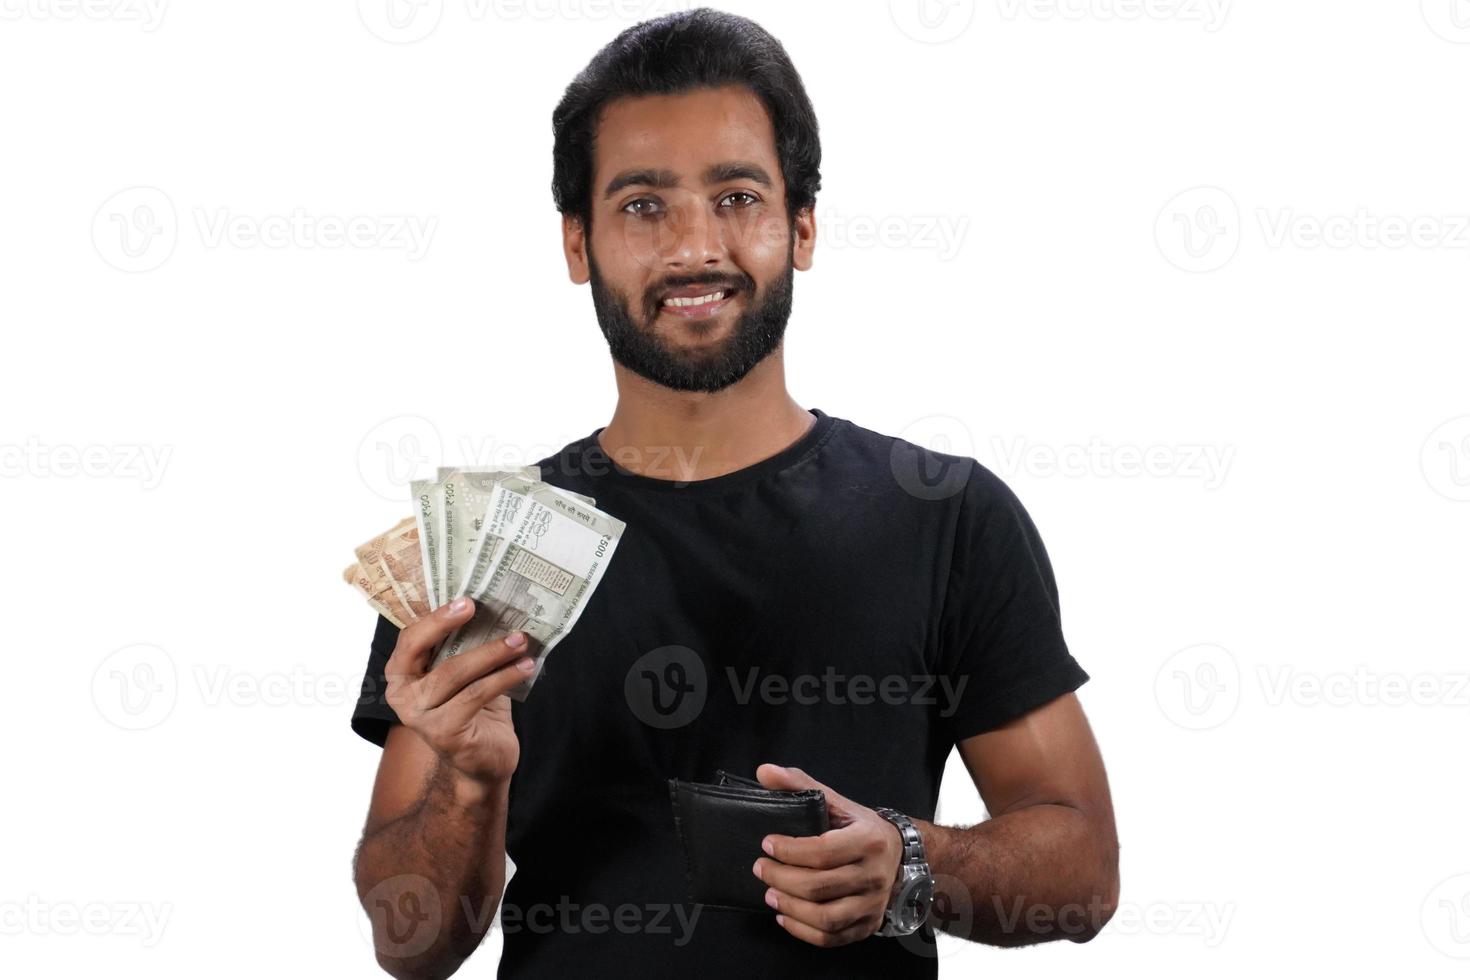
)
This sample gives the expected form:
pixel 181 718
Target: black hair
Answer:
pixel 680 52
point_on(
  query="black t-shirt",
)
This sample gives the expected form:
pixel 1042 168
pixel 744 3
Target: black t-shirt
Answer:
pixel 853 605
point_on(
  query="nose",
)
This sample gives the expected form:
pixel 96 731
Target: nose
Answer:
pixel 695 239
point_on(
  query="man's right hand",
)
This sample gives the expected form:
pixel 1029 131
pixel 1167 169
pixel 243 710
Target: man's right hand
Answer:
pixel 459 707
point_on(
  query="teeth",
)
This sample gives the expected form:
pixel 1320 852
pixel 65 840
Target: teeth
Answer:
pixel 695 300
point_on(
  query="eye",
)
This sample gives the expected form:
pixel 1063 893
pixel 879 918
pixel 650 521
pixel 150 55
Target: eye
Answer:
pixel 634 204
pixel 752 197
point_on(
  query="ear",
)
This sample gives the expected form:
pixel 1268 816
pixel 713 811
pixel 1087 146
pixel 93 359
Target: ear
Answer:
pixel 574 244
pixel 805 240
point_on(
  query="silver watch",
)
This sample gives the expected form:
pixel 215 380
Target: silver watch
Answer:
pixel 914 890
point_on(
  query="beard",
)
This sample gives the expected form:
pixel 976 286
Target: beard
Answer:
pixel 636 346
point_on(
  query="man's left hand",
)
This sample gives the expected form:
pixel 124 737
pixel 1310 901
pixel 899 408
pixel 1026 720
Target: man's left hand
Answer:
pixel 832 889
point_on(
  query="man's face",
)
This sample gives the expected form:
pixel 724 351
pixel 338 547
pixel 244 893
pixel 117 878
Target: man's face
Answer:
pixel 687 204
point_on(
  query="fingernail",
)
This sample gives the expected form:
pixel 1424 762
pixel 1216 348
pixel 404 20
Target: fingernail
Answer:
pixel 756 870
pixel 766 846
pixel 526 663
pixel 780 920
pixel 460 605
pixel 771 898
pixel 516 639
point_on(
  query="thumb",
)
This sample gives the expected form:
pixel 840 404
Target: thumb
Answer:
pixel 772 776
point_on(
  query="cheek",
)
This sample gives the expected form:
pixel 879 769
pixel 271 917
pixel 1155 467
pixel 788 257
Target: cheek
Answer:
pixel 635 245
pixel 760 239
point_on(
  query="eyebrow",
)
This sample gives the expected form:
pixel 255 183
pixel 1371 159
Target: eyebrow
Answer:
pixel 718 173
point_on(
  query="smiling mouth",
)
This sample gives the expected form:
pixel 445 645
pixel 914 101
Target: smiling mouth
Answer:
pixel 704 305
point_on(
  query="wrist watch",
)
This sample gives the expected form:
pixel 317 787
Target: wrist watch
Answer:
pixel 914 889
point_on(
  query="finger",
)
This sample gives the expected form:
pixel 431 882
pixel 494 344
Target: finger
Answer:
pixel 824 885
pixel 462 708
pixel 417 640
pixel 815 936
pixel 773 776
pixel 845 913
pixel 832 849
pixel 451 675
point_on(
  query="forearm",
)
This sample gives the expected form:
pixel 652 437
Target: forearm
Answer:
pixel 1034 875
pixel 432 879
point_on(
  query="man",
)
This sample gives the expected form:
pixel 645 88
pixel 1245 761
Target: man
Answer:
pixel 795 597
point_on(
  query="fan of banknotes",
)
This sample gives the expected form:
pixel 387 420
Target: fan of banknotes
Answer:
pixel 528 553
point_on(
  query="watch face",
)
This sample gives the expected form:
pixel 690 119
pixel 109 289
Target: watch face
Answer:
pixel 913 903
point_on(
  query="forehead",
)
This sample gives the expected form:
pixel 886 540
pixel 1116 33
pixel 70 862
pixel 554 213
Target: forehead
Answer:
pixel 683 133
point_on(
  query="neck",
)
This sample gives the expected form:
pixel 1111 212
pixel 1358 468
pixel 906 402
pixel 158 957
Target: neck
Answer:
pixel 694 435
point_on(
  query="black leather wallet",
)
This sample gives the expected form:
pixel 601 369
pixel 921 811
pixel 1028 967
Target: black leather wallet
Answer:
pixel 721 826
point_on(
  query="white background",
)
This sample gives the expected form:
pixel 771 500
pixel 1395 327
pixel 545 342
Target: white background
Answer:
pixel 1058 237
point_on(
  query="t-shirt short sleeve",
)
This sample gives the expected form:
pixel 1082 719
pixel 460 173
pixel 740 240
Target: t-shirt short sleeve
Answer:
pixel 1000 632
pixel 372 717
